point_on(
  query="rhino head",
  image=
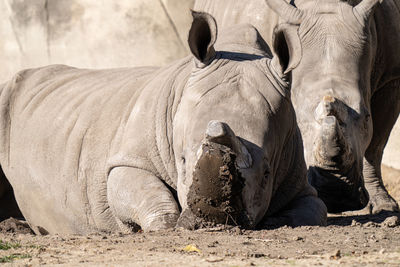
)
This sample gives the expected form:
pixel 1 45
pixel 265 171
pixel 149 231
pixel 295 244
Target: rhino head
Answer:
pixel 229 133
pixel 332 47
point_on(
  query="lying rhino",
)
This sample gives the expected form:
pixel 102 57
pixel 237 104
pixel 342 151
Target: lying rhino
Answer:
pixel 210 138
pixel 344 61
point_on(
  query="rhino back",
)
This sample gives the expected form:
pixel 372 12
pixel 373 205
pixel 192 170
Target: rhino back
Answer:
pixel 230 12
pixel 57 126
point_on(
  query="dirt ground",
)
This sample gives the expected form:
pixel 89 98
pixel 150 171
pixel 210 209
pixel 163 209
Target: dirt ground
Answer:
pixel 348 240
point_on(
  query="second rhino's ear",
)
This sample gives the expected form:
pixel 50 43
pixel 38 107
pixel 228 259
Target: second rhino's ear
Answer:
pixel 202 36
pixel 286 48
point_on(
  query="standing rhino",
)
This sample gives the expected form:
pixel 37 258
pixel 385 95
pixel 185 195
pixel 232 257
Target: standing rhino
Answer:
pixel 343 58
pixel 210 138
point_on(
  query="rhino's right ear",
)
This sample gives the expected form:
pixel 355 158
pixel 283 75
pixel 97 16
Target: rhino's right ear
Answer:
pixel 202 36
pixel 286 48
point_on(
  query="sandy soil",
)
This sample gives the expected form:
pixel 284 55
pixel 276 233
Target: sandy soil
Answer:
pixel 348 240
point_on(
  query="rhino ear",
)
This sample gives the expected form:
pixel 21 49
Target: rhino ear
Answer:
pixel 286 48
pixel 202 36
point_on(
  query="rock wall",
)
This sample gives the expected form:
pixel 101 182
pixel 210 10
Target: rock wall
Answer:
pixel 92 34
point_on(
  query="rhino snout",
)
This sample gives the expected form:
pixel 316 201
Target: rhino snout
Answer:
pixel 215 194
pixel 331 148
pixel 216 189
pixel 336 171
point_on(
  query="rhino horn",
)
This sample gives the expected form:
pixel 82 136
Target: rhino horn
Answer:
pixel 220 133
pixel 332 149
pixel 365 7
pixel 330 106
pixel 286 11
pixel 331 145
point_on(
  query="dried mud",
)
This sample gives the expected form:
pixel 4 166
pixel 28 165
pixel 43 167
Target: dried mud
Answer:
pixel 214 196
pixel 348 240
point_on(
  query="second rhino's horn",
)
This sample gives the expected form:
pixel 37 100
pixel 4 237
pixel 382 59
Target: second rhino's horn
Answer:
pixel 221 133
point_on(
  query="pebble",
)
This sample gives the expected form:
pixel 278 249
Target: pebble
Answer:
pixel 214 259
pixel 392 221
pixel 370 224
pixel 237 231
pixel 336 255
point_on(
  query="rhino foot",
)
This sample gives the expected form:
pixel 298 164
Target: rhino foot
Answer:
pixel 381 201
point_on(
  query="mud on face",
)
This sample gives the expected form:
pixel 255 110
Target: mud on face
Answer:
pixel 215 196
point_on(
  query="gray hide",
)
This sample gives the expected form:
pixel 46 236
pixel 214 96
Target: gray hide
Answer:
pixel 343 59
pixel 111 150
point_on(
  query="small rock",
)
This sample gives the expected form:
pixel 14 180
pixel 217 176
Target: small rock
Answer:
pixel 392 221
pixel 238 231
pixel 382 251
pixel 297 238
pixel 213 244
pixel 336 255
pixel 370 224
pixel 355 223
pixel 214 259
pixel 257 255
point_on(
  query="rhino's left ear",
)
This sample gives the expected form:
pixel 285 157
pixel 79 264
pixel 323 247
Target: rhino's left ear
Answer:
pixel 286 48
pixel 202 36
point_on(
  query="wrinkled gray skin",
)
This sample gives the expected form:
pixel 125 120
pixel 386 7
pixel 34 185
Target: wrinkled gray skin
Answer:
pixel 110 150
pixel 344 63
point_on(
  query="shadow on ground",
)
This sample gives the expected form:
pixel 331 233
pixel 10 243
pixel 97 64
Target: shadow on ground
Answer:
pixel 391 218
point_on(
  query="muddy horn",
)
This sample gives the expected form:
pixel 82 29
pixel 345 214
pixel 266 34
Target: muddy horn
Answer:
pixel 220 133
pixel 216 192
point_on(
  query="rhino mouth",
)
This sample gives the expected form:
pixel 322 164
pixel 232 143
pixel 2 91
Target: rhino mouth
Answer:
pixel 215 196
pixel 339 192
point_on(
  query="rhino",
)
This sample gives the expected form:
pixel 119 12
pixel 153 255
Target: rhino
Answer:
pixel 211 138
pixel 343 59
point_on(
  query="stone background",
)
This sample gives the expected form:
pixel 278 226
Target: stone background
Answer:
pixel 92 33
pixel 103 34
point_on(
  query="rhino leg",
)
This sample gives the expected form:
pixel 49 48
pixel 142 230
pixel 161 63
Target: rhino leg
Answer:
pixel 306 209
pixel 137 197
pixel 8 204
pixel 385 108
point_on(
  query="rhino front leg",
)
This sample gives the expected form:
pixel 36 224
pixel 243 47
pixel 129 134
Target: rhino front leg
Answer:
pixel 138 197
pixel 8 204
pixel 385 108
pixel 307 209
